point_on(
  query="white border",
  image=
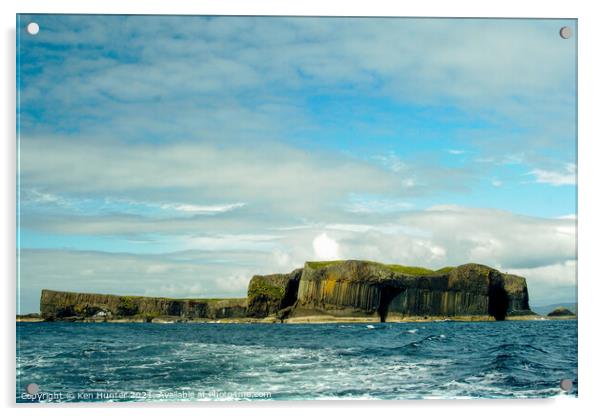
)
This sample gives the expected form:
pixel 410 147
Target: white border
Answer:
pixel 589 195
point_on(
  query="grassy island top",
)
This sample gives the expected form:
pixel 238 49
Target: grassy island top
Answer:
pixel 398 268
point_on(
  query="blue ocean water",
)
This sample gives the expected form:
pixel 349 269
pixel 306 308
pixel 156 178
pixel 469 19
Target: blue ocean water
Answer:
pixel 151 362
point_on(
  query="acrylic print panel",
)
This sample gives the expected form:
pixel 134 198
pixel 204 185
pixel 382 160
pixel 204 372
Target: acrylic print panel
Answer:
pixel 285 208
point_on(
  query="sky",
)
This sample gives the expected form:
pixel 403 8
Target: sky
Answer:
pixel 180 155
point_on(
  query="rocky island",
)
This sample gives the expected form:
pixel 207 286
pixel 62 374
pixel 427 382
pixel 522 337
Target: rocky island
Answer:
pixel 561 312
pixel 349 290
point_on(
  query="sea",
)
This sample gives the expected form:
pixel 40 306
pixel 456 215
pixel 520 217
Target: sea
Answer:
pixel 116 362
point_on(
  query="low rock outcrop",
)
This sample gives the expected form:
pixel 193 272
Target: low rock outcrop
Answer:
pixel 69 305
pixel 561 311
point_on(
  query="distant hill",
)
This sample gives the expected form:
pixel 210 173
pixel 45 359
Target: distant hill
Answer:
pixel 546 309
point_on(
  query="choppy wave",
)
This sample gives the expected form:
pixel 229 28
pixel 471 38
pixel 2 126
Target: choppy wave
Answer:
pixel 139 362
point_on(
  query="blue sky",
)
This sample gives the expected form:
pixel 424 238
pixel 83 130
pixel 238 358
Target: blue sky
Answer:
pixel 179 156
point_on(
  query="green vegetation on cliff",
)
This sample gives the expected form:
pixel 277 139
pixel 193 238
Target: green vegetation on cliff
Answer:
pixel 127 306
pixel 261 287
pixel 268 294
pixel 321 264
pixel 411 270
pixel 397 268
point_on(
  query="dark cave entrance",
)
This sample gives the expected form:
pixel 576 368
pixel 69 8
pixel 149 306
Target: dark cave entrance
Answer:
pixel 387 294
pixel 498 302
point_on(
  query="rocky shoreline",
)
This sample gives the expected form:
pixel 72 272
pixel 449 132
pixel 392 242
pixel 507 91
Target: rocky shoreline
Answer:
pixel 317 319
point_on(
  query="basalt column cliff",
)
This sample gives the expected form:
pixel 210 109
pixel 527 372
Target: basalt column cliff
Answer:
pixel 388 292
pixel 322 290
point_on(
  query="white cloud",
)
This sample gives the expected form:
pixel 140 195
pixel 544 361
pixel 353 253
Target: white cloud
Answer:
pixel 552 283
pixel 567 176
pixel 322 50
pixel 203 209
pixel 232 242
pixel 157 268
pixel 487 236
pixel 390 228
pixel 366 204
pixel 196 173
pixel 325 248
pixel 393 162
pixel 498 237
pixel 564 273
pixel 162 80
pixel 33 196
pixel 358 228
pixel 455 151
pixel 512 159
pixel 282 259
pixel 567 217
